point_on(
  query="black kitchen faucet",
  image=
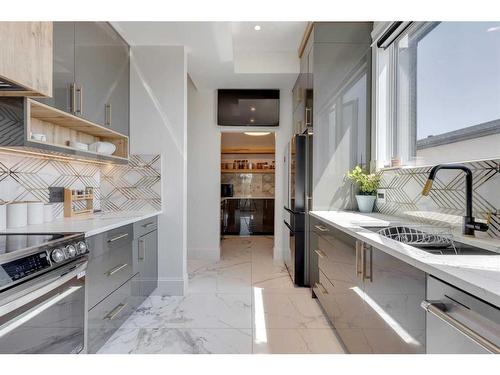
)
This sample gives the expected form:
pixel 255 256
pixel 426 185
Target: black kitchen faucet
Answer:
pixel 470 225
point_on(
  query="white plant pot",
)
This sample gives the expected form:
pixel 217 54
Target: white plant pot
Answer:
pixel 365 203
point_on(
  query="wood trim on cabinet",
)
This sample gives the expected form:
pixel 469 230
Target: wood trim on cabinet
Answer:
pixel 305 38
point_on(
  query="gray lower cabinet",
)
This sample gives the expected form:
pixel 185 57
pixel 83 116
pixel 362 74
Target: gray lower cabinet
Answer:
pixel 371 298
pixel 146 255
pixel 105 318
pixel 122 272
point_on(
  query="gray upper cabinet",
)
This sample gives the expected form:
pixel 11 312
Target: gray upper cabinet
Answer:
pixel 63 66
pixel 117 106
pixel 92 39
pixel 91 73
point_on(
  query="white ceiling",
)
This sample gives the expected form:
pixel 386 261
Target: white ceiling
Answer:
pixel 228 54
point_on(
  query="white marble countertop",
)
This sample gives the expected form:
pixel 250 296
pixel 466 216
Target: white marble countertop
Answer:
pixel 477 274
pixel 89 224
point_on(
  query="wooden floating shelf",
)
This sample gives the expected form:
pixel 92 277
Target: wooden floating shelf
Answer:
pixel 247 170
pixel 61 127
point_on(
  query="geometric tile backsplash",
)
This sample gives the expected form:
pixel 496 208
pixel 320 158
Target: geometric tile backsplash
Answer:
pixel 132 187
pixel 250 184
pixel 135 186
pixel 445 203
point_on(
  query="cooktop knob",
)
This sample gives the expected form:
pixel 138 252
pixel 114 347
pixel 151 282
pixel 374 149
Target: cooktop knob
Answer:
pixel 57 255
pixel 82 247
pixel 71 251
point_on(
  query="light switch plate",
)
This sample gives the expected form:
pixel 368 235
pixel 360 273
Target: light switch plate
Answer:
pixel 381 196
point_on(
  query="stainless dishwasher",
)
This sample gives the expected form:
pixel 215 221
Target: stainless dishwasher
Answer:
pixel 459 323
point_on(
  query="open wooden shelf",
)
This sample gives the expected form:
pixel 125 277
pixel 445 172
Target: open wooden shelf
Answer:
pixel 247 170
pixel 268 151
pixel 60 128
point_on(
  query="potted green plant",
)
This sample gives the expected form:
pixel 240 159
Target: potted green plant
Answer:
pixel 368 184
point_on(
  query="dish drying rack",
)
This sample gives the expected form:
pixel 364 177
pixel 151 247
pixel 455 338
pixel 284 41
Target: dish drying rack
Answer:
pixel 421 236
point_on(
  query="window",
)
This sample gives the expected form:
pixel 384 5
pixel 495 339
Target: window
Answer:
pixel 439 94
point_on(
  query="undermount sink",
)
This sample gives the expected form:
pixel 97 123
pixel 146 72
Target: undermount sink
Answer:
pixel 433 240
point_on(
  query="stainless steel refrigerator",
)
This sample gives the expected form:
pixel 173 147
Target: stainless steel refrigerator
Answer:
pixel 298 167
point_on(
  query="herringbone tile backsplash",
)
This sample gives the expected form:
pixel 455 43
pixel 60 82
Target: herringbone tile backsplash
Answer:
pixel 446 201
pixel 136 186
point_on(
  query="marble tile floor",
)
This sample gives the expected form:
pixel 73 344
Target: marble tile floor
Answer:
pixel 245 303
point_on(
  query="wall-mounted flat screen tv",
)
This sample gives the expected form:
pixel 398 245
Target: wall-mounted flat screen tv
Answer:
pixel 248 107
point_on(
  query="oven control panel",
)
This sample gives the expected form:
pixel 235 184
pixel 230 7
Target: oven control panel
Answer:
pixel 51 257
pixel 24 267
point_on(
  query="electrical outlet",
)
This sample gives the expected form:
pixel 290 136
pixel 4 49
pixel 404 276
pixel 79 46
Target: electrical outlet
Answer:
pixel 381 196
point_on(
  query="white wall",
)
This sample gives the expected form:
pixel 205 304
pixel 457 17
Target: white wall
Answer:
pixel 158 124
pixel 203 175
pixel 204 172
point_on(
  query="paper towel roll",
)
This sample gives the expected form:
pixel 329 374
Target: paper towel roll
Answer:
pixel 35 213
pixel 48 213
pixel 3 216
pixel 17 214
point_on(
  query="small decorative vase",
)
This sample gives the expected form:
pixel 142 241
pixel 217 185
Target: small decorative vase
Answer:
pixel 365 203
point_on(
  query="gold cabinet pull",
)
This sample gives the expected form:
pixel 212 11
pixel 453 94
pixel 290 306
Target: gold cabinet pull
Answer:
pixel 320 253
pixel 367 250
pixel 114 313
pixel 107 115
pixel 142 250
pixel 359 269
pixel 118 237
pixel 114 270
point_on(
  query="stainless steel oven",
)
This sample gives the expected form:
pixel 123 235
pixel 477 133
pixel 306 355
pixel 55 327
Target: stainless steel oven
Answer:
pixel 45 314
pixel 42 292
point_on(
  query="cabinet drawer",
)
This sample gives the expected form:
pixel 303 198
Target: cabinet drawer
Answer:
pixel 323 289
pixel 107 271
pixel 119 236
pixel 107 316
pixel 145 226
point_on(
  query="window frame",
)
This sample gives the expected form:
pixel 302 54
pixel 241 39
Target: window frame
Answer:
pixel 388 150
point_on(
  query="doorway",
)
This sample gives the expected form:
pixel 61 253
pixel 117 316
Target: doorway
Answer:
pixel 247 184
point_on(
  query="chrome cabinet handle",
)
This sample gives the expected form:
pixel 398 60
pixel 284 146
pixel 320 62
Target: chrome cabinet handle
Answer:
pixel 72 98
pixel 308 111
pixel 114 313
pixel 118 237
pixel 367 250
pixel 107 115
pixel 359 270
pixel 438 309
pixel 142 250
pixel 321 228
pixel 114 270
pixel 148 225
pixel 78 90
pixel 320 253
pixel 321 288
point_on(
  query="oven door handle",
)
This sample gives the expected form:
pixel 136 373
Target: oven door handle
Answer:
pixel 56 282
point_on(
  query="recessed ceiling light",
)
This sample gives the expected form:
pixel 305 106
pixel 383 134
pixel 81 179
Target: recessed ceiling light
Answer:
pixel 256 27
pixel 252 109
pixel 252 120
pixel 257 133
